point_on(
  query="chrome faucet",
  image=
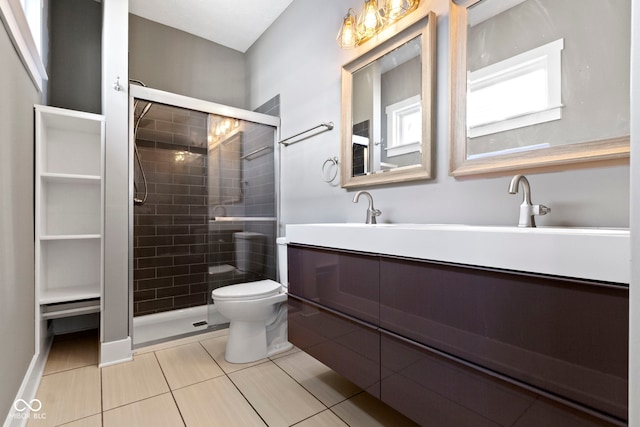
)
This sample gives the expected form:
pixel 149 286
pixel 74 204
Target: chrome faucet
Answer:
pixel 527 210
pixel 372 212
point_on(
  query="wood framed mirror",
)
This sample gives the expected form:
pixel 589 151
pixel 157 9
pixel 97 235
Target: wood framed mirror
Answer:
pixel 538 85
pixel 387 106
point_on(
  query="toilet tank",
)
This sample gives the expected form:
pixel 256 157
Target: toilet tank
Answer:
pixel 249 251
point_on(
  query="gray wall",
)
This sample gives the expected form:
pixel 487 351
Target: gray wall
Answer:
pixel 75 55
pixel 172 60
pixel 305 71
pixel 17 97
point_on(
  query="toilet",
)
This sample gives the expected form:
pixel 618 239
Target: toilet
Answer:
pixel 257 313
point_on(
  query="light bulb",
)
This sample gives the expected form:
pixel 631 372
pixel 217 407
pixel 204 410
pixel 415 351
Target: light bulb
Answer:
pixel 393 9
pixel 347 36
pixel 370 20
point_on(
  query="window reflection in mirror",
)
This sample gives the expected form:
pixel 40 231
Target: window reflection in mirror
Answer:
pixel 565 64
pixel 386 96
pixel 538 82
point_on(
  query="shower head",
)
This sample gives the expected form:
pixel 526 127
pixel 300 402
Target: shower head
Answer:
pixel 145 110
pixel 137 201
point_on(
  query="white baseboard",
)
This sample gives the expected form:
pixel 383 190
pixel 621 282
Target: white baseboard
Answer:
pixel 114 352
pixel 29 387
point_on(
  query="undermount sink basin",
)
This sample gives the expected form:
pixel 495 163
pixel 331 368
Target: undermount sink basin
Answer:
pixel 587 253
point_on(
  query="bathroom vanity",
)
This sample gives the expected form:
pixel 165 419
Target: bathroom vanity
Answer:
pixel 463 340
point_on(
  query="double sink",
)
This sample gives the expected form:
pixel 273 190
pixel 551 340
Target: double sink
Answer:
pixel 601 254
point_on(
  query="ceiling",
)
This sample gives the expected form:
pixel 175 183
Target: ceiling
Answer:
pixel 236 24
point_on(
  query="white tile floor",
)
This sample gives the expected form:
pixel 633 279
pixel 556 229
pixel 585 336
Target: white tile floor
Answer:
pixel 188 382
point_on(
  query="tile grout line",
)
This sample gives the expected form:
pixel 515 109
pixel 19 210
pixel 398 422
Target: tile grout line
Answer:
pixel 101 398
pixel 246 399
pixel 269 359
pixel 333 406
pixel 169 386
pixel 68 369
pixel 237 370
pixel 303 387
pixel 234 384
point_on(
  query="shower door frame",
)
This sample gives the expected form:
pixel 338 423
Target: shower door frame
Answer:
pixel 162 97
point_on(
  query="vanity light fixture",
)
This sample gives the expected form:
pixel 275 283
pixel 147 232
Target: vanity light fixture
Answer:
pixel 371 20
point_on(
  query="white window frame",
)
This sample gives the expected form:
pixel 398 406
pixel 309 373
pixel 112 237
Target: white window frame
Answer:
pixel 546 58
pixel 15 21
pixel 396 143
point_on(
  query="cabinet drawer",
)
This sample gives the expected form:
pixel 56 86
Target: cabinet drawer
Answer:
pixel 344 281
pixel 436 390
pixel 565 336
pixel 348 347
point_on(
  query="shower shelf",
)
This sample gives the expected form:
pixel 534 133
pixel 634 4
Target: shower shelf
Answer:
pixel 65 177
pixel 242 218
pixel 70 236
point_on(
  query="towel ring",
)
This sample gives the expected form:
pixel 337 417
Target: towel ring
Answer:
pixel 330 161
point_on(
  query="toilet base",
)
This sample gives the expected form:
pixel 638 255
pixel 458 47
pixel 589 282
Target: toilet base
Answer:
pixel 280 348
pixel 247 342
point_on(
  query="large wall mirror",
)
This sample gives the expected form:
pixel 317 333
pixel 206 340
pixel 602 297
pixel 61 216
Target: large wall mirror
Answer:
pixel 387 108
pixel 538 84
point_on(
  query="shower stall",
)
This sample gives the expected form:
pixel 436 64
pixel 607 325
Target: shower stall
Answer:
pixel 204 212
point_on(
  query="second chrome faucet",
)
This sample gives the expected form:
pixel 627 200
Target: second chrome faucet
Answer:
pixel 372 212
pixel 527 209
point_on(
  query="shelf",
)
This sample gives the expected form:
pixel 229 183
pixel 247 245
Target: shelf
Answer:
pixel 69 267
pixel 71 142
pixel 70 206
pixel 70 178
pixel 71 312
pixel 71 293
pixel 70 120
pixel 71 237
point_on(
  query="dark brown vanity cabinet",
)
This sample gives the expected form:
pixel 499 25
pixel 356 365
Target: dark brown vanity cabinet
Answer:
pixel 466 346
pixel 349 347
pixel 344 281
pixel 334 311
pixel 567 337
pixel 434 389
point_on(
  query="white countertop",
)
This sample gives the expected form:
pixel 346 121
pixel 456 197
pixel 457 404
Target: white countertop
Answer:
pixel 587 253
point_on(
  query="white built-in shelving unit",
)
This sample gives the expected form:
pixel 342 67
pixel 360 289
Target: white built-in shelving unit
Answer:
pixel 69 229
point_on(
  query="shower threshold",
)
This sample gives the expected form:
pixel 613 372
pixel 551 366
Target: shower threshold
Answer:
pixel 158 327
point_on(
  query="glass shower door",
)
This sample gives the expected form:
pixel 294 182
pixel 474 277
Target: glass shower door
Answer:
pixel 242 205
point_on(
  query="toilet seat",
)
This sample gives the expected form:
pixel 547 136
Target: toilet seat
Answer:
pixel 247 291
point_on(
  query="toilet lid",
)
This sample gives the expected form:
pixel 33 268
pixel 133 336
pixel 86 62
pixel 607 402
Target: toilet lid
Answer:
pixel 250 290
